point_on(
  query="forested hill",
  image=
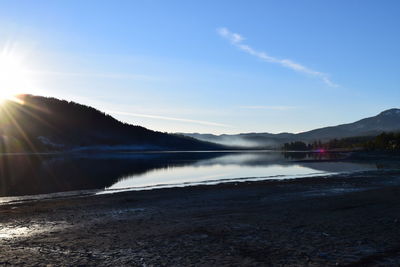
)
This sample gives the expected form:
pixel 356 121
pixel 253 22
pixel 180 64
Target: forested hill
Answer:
pixel 39 124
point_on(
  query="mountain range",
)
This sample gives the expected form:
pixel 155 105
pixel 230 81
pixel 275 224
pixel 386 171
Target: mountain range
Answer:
pixel 43 124
pixel 386 121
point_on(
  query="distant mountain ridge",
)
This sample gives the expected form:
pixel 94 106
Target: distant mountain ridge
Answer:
pixel 386 121
pixel 49 124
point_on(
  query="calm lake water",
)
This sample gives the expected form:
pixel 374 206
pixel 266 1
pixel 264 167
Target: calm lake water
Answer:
pixel 27 175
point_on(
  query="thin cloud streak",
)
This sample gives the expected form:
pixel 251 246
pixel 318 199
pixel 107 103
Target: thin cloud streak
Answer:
pixel 167 118
pixel 237 40
pixel 282 108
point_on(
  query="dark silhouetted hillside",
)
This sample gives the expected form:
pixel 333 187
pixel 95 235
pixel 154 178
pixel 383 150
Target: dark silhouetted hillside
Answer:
pixel 43 124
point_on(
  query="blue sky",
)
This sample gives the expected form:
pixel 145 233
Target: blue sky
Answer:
pixel 211 66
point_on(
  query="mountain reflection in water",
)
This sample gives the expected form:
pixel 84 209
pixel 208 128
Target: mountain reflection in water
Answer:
pixel 43 174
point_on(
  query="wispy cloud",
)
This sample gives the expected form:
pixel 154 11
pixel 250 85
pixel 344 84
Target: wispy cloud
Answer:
pixel 237 40
pixel 209 123
pixel 282 108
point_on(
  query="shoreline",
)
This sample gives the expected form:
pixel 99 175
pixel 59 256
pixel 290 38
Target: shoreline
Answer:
pixel 308 178
pixel 325 221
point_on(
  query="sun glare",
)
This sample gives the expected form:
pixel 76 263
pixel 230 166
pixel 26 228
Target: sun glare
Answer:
pixel 14 78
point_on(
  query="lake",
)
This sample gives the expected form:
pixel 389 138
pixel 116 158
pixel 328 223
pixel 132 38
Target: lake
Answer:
pixel 37 176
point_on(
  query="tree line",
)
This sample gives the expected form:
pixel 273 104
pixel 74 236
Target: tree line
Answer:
pixel 383 142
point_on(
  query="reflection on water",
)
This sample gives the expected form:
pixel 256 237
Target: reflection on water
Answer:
pixel 237 167
pixel 44 174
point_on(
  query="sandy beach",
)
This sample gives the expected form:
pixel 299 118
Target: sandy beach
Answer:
pixel 343 220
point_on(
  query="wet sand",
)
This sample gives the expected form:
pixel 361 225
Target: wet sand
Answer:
pixel 343 220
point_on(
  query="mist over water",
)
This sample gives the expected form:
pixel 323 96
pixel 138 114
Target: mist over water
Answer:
pixel 246 141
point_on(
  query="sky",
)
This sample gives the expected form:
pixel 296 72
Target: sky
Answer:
pixel 207 66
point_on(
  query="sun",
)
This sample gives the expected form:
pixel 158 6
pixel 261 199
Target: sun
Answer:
pixel 14 77
pixel 4 96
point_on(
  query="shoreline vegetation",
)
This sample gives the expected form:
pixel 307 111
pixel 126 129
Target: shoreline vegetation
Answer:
pixel 385 142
